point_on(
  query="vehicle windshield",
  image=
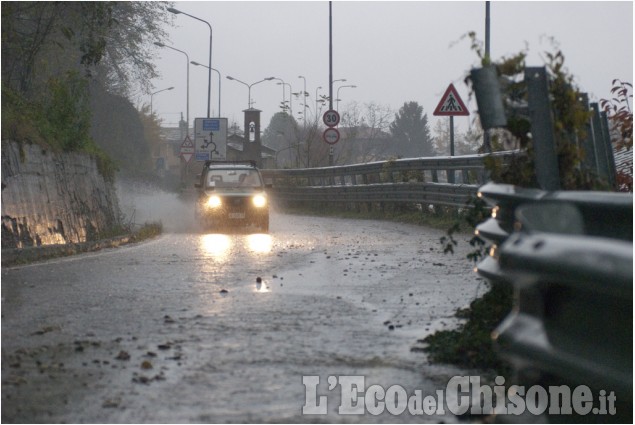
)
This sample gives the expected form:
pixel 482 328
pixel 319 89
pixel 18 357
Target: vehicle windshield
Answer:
pixel 233 178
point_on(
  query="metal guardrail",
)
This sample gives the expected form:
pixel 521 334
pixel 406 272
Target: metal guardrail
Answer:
pixel 413 180
pixel 569 258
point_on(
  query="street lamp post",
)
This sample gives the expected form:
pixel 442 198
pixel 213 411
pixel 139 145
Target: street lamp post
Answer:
pixel 331 94
pixel 284 98
pixel 152 94
pixel 209 84
pixel 187 97
pixel 290 98
pixel 338 95
pixel 304 99
pixel 249 86
pixel 219 78
pixel 316 103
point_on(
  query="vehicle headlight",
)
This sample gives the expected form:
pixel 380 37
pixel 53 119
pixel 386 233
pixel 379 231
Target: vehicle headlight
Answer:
pixel 259 201
pixel 214 201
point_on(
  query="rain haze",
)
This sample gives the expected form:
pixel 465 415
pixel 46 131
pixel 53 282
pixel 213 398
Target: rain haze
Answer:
pixel 392 52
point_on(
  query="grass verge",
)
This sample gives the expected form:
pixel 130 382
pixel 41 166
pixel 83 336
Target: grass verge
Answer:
pixel 471 344
pixel 438 218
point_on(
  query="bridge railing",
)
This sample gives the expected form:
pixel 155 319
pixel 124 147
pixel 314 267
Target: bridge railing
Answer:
pixel 434 180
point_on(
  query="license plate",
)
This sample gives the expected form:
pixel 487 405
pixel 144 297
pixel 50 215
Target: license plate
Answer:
pixel 236 215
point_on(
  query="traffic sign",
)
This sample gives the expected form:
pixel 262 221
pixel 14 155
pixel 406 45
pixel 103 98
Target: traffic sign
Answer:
pixel 210 138
pixel 451 104
pixel 187 149
pixel 331 136
pixel 331 118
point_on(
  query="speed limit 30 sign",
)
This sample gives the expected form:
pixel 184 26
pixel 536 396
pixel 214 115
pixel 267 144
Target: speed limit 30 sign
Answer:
pixel 331 118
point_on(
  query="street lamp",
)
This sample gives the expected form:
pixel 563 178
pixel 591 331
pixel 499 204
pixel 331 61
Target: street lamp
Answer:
pixel 284 99
pixel 187 97
pixel 290 98
pixel 249 86
pixel 316 102
pixel 219 78
pixel 338 95
pixel 152 94
pixel 304 99
pixel 209 83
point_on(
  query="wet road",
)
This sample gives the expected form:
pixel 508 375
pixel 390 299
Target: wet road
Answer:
pixel 195 327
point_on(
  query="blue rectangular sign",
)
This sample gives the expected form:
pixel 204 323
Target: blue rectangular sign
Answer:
pixel 201 156
pixel 211 125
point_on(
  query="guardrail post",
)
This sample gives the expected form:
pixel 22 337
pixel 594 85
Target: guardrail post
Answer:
pixel 609 149
pixel 465 176
pixel 546 159
pixel 601 151
pixel 589 161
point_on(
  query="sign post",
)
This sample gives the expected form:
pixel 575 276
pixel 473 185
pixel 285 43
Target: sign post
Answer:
pixel 451 105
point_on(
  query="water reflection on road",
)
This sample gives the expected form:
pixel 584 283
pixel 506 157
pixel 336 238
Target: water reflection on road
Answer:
pixel 227 323
pixel 219 246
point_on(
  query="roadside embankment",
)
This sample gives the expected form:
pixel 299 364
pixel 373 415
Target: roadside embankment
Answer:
pixel 53 198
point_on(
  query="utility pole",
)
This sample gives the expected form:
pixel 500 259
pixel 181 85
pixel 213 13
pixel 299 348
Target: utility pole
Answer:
pixel 486 142
pixel 330 71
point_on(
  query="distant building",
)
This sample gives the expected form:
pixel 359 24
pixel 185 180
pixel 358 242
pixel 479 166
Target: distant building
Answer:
pixel 235 151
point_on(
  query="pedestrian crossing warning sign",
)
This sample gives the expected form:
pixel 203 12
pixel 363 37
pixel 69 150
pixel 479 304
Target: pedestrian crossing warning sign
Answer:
pixel 451 104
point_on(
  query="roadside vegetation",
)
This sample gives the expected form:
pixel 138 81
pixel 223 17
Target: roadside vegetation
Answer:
pixel 68 70
pixel 471 345
pixel 438 218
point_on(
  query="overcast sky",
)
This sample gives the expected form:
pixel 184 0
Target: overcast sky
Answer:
pixel 394 52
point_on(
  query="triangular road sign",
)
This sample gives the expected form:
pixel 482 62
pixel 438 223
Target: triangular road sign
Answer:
pixel 187 142
pixel 451 104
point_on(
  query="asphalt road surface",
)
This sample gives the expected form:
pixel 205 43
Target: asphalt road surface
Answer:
pixel 196 327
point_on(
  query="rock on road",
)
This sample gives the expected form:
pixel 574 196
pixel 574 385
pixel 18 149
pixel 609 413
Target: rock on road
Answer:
pixel 196 327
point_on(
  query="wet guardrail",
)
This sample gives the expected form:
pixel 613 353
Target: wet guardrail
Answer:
pixel 435 180
pixel 569 258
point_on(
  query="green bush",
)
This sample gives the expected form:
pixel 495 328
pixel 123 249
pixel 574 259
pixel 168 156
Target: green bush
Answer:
pixel 66 112
pixel 59 119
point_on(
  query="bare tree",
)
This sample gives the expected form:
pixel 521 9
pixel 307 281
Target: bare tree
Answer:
pixel 466 143
pixel 364 135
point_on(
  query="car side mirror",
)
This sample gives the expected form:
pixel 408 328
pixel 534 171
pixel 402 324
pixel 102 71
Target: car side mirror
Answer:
pixel 197 185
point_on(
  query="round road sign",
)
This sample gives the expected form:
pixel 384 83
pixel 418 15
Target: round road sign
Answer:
pixel 331 118
pixel 331 136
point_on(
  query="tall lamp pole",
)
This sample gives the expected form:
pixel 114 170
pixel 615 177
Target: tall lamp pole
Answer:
pixel 152 94
pixel 187 101
pixel 284 98
pixel 249 86
pixel 304 99
pixel 219 78
pixel 486 139
pixel 209 83
pixel 338 95
pixel 290 98
pixel 316 103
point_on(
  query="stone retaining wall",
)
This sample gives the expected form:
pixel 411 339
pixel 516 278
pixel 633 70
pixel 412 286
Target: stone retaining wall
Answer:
pixel 53 198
